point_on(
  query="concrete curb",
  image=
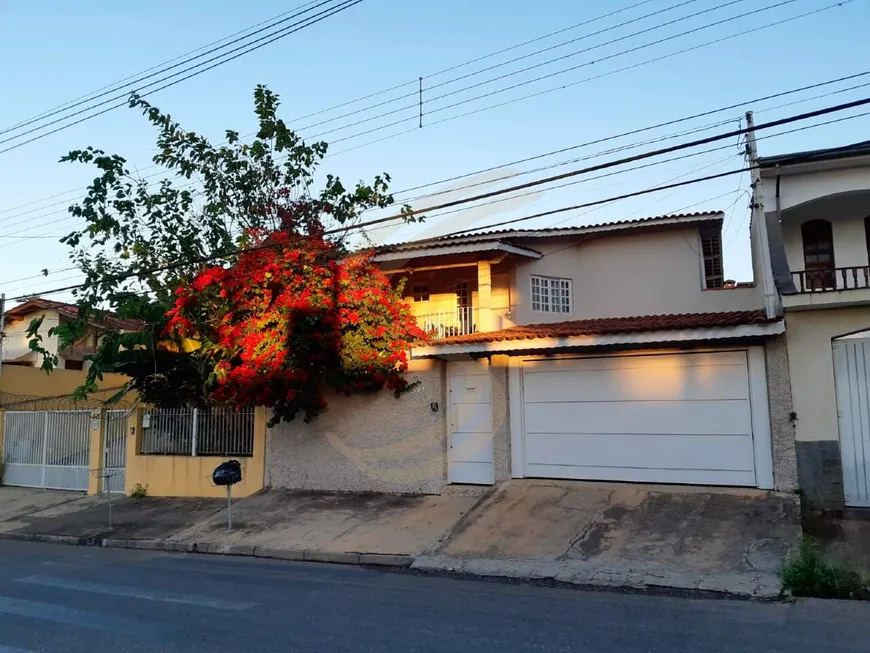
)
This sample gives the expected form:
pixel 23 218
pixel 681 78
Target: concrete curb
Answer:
pixel 217 548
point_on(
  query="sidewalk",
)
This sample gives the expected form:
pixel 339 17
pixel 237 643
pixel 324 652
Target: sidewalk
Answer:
pixel 731 541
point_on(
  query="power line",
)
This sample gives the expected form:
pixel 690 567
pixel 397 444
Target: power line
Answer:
pixel 136 76
pixel 284 32
pixel 601 166
pixel 655 59
pixel 131 85
pixel 561 150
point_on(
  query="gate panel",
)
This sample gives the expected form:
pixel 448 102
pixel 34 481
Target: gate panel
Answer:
pixel 47 449
pixel 24 448
pixel 116 450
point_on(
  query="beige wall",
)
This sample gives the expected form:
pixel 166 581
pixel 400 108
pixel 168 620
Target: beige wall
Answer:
pixel 640 274
pixel 367 443
pixel 811 364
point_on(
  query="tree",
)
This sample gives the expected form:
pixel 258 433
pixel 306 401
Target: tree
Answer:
pixel 145 246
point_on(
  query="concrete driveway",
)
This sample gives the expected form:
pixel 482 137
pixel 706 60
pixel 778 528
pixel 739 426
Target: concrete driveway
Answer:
pixel 627 535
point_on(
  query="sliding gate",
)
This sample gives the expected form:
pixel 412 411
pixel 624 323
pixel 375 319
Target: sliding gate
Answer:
pixel 47 449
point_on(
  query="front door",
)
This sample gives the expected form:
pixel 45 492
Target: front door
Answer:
pixel 463 308
pixel 470 455
pixel 852 381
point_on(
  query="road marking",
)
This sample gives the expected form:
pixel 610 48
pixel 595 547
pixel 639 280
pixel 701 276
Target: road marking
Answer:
pixel 75 617
pixel 136 592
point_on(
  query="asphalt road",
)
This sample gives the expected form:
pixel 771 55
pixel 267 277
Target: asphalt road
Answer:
pixel 70 599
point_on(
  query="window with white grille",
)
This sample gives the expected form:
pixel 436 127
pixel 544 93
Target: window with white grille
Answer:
pixel 551 295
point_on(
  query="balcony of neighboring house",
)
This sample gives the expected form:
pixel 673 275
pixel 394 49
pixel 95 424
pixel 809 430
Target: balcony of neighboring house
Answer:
pixel 827 243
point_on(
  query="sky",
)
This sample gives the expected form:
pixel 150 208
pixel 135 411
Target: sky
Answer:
pixel 55 51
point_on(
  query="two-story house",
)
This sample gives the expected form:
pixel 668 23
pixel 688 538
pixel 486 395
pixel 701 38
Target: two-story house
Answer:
pixel 16 343
pixel 817 210
pixel 615 352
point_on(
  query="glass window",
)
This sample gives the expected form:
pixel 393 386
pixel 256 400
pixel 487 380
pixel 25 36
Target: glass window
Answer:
pixel 421 293
pixel 551 295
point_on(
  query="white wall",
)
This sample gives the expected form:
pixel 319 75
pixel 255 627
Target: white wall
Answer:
pixel 16 344
pixel 627 275
pixel 797 189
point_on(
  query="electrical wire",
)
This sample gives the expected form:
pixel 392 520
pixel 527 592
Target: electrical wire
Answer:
pixel 311 20
pixel 601 166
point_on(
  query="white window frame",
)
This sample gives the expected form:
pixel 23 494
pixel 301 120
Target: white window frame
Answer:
pixel 553 295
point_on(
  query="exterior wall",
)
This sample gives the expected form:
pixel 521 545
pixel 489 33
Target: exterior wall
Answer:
pixel 809 336
pixel 190 476
pixel 19 384
pixel 785 475
pixel 16 343
pixel 643 274
pixel 797 189
pixel 501 433
pixel 368 443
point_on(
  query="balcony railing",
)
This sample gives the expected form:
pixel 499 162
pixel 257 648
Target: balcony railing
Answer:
pixel 460 321
pixel 832 279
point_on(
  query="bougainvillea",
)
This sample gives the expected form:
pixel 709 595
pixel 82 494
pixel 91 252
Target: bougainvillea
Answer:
pixel 290 319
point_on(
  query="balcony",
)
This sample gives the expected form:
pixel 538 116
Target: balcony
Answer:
pixel 460 321
pixel 834 279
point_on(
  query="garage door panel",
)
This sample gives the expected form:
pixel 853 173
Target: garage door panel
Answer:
pixel 643 361
pixel 653 384
pixel 706 417
pixel 672 418
pixel 689 476
pixel 713 452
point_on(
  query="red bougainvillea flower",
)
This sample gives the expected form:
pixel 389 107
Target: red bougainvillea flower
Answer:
pixel 290 320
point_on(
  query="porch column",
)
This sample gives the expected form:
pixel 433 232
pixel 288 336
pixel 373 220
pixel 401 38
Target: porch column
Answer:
pixel 485 318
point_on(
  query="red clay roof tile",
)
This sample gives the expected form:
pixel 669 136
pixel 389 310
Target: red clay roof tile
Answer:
pixel 614 325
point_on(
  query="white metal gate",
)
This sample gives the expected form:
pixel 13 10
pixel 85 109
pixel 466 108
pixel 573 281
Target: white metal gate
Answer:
pixel 47 449
pixel 115 451
pixel 852 380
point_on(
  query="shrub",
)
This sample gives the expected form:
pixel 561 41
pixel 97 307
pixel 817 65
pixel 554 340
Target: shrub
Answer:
pixel 139 491
pixel 812 573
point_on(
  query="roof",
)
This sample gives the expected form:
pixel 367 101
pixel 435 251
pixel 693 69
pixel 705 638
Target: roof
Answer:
pixel 614 325
pixel 674 220
pixel 809 156
pixel 109 319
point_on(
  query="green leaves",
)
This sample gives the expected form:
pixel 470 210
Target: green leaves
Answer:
pixel 143 238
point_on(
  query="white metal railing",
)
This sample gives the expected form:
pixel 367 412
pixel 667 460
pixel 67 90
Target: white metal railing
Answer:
pixel 198 432
pixel 460 321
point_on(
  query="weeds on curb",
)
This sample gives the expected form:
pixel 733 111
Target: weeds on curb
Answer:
pixel 139 491
pixel 812 573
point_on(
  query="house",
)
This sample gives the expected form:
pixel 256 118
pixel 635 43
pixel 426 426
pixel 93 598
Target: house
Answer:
pixel 613 352
pixel 16 344
pixel 816 207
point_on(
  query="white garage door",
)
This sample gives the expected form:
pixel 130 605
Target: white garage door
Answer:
pixel 681 418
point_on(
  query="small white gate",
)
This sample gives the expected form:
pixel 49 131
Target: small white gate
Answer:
pixel 115 451
pixel 47 449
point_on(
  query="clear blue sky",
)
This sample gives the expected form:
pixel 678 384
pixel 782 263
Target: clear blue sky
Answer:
pixel 55 51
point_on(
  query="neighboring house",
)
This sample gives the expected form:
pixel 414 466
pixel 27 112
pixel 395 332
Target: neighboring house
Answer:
pixel 817 210
pixel 609 352
pixel 16 348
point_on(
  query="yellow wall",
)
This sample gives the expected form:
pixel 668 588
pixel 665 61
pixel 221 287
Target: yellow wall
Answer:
pixel 190 476
pixel 809 339
pixel 17 384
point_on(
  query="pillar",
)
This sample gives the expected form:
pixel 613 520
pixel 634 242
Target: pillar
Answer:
pixel 485 318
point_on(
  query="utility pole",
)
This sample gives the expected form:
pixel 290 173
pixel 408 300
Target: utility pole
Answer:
pixel 758 224
pixel 2 326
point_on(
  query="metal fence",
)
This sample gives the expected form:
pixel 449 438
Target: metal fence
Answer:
pixel 198 432
pixel 47 449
